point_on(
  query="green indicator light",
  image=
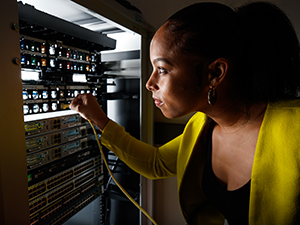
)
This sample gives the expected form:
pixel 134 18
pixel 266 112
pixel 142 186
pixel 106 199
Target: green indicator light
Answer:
pixel 29 178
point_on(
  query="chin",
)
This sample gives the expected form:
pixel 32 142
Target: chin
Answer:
pixel 171 115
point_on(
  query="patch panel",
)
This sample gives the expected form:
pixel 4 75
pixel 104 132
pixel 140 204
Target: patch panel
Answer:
pixel 98 161
pixel 38 143
pixel 37 190
pixel 37 204
pixel 51 154
pixel 65 192
pixel 60 192
pixel 85 189
pixel 61 178
pixel 75 160
pixel 63 217
pixel 34 220
pixel 72 197
pixel 71 211
pixel 40 188
pixel 56 199
pixel 50 211
pixel 84 167
pixel 88 187
pixel 83 179
pixel 85 202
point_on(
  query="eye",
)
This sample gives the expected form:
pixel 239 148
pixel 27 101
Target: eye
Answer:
pixel 161 70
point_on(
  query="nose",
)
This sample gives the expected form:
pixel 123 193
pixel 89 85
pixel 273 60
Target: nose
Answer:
pixel 151 84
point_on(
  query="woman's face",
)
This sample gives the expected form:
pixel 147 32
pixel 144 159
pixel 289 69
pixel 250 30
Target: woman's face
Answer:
pixel 173 82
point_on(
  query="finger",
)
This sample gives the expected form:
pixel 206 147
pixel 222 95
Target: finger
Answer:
pixel 73 106
pixel 82 98
pixel 75 100
pixel 75 103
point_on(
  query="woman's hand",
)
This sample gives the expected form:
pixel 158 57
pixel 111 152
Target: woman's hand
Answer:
pixel 89 108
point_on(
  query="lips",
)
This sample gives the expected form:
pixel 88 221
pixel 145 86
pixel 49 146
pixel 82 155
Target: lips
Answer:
pixel 157 102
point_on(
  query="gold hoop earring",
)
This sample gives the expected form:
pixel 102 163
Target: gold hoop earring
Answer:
pixel 212 96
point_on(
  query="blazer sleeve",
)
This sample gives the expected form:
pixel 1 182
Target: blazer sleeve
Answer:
pixel 145 159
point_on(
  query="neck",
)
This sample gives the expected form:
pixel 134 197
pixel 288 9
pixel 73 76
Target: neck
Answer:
pixel 233 117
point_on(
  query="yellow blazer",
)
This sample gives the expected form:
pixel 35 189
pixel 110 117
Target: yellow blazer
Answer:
pixel 275 179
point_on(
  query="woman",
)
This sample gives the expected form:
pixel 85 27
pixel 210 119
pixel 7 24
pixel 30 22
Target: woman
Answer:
pixel 238 155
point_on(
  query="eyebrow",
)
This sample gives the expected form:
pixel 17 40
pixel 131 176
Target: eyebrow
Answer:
pixel 163 60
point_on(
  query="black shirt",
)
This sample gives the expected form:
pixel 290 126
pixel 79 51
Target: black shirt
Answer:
pixel 234 205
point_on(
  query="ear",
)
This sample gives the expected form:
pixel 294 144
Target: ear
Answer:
pixel 217 72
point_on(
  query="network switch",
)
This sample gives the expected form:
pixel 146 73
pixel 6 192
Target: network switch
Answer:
pixel 63 177
pixel 38 143
pixel 85 156
pixel 62 210
pixel 67 192
pixel 36 124
pixel 49 155
pixel 65 196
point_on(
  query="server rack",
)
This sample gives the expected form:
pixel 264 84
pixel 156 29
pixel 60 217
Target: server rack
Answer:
pixel 65 169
